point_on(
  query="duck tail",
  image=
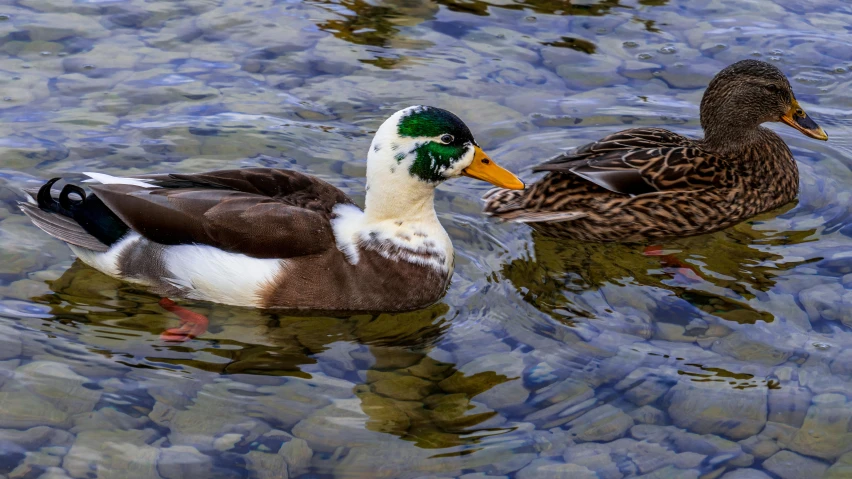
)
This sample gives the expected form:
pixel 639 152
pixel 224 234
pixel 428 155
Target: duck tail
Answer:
pixel 511 205
pixel 499 200
pixel 74 217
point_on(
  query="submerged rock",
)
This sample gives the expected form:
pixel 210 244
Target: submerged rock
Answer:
pixel 10 343
pixel 113 454
pixel 22 409
pixel 399 386
pixel 760 350
pixel 760 447
pixel 825 430
pixel 649 457
pixel 745 474
pixel 107 418
pixel 215 418
pixel 551 401
pixel 57 383
pixel 545 469
pixel 648 415
pixel 266 465
pixel 789 405
pixel 707 408
pixel 297 454
pixel 54 473
pixel 178 462
pixel 830 302
pixel 504 394
pixel 596 458
pixel 841 469
pixel 340 424
pixel 33 438
pixel 645 385
pixel 605 423
pixel 671 472
pixel 789 465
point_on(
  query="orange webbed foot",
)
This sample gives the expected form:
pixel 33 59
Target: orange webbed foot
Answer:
pixel 671 261
pixel 192 324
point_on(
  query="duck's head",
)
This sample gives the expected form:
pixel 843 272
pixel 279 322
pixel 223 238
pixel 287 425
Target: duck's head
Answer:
pixel 748 93
pixel 429 145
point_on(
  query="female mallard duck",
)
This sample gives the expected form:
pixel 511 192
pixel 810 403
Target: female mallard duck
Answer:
pixel 647 183
pixel 272 238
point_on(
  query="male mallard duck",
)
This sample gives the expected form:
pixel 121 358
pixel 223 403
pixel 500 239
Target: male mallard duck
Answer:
pixel 272 238
pixel 647 183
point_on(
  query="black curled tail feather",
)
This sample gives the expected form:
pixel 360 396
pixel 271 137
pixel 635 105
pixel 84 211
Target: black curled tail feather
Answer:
pixel 66 202
pixel 47 202
pixel 89 211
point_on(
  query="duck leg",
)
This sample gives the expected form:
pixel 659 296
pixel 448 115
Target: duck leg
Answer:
pixel 192 324
pixel 671 261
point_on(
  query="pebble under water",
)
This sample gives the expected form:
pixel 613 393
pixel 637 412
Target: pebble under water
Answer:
pixel 728 355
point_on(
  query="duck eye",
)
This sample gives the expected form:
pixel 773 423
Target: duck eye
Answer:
pixel 446 139
pixel 772 88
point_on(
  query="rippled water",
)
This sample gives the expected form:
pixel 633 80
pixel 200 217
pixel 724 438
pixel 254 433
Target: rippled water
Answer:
pixel 546 359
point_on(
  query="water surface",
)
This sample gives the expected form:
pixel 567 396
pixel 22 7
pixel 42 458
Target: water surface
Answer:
pixel 727 352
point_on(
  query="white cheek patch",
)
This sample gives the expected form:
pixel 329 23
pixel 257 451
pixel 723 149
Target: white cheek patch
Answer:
pixel 453 170
pixel 457 167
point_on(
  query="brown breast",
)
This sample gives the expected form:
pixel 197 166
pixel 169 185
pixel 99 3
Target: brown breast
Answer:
pixel 328 282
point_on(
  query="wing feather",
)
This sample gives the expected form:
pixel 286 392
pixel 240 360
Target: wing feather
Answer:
pixel 62 227
pixel 639 161
pixel 263 213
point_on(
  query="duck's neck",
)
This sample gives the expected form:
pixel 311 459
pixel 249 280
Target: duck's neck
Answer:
pixel 728 128
pixel 762 160
pixel 756 146
pixel 399 220
pixel 731 141
pixel 398 197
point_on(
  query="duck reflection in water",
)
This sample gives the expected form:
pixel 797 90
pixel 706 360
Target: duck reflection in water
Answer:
pixel 721 275
pixel 401 388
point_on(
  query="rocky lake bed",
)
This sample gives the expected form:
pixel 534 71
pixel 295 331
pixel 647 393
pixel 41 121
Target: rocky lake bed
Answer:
pixel 727 356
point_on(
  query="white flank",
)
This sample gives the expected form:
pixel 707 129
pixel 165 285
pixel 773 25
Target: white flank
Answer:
pixel 105 179
pixel 107 261
pixel 210 274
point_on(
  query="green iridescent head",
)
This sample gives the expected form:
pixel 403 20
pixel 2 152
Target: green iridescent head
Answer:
pixel 432 145
pixel 446 141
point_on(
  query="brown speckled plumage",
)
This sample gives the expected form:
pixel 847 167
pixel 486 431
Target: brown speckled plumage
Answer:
pixel 648 183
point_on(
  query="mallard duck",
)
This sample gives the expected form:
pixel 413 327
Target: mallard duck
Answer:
pixel 272 238
pixel 648 183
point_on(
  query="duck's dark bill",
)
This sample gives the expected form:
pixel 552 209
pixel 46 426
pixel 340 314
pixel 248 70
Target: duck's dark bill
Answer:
pixel 798 119
pixel 483 168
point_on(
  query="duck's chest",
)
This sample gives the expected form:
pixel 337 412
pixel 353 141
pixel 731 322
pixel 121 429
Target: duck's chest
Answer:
pixel 380 280
pixel 766 183
pixel 376 267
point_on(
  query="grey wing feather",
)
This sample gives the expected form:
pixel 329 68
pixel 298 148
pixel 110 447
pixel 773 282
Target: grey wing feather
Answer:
pixel 543 216
pixel 629 181
pixel 32 193
pixel 62 228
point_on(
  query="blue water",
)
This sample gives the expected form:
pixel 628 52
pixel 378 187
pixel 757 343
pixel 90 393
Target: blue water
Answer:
pixel 545 359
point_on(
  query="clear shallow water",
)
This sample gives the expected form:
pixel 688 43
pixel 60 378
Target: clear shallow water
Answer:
pixel 546 358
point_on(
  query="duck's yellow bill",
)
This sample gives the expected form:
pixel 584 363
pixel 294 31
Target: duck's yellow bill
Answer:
pixel 483 168
pixel 798 119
